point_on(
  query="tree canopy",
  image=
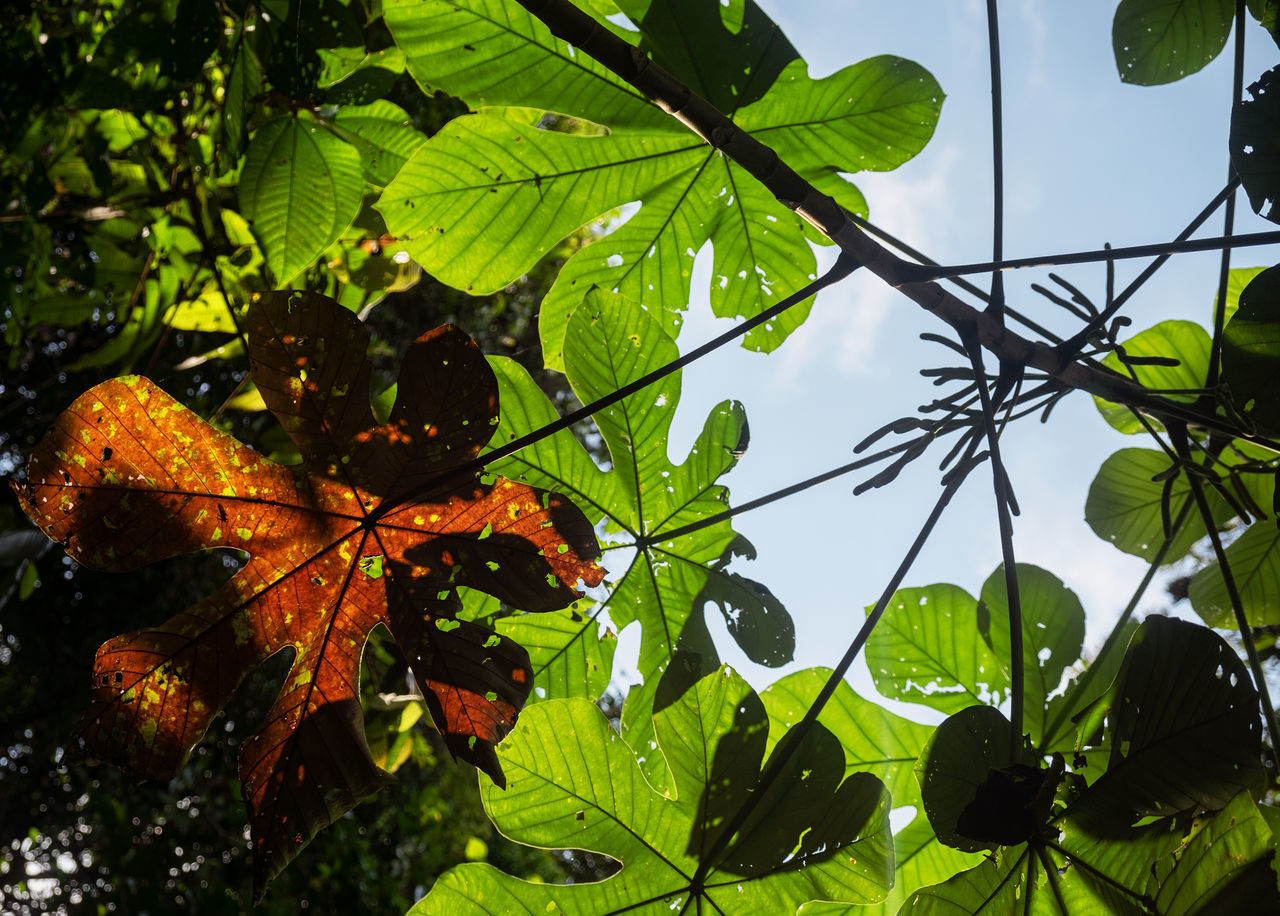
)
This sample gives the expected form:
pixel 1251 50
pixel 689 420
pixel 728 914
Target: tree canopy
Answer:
pixel 342 365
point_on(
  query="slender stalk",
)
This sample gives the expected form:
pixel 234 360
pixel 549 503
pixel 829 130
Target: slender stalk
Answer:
pixel 1003 494
pixel 1100 255
pixel 995 308
pixel 634 66
pixel 1224 269
pixel 1181 445
pixel 791 741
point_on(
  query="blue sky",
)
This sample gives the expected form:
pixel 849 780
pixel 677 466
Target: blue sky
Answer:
pixel 1088 160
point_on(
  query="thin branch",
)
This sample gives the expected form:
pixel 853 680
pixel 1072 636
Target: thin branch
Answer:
pixel 1180 443
pixel 1224 268
pixel 633 65
pixel 1224 242
pixel 842 268
pixel 791 741
pixel 996 307
pixel 1004 496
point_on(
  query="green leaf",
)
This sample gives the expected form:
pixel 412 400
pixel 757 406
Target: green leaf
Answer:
pixel 489 195
pixel 1052 635
pixel 301 188
pixel 1081 692
pixel 1255 143
pixel 383 133
pixel 1223 867
pixel 1160 41
pixel 1184 728
pixel 1124 505
pixel 1267 12
pixel 1184 341
pixel 997 886
pixel 930 647
pixel 1254 558
pixel 244 83
pixel 339 63
pixel 491 53
pixel 576 784
pixel 1217 864
pixel 1251 350
pixel 955 762
pixel 667 582
pixel 886 745
pixel 566 661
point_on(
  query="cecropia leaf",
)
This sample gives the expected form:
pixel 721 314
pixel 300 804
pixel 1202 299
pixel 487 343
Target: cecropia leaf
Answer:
pixel 493 191
pixel 644 499
pixel 379 525
pixel 817 832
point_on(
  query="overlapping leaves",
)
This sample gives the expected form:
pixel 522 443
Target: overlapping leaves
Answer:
pixel 378 525
pixel 817 833
pixel 669 581
pixel 1181 737
pixel 494 191
pixel 886 745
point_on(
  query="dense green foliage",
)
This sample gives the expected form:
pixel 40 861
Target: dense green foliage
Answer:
pixel 428 162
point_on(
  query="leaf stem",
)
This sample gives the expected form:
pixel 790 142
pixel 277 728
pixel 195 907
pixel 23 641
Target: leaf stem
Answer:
pixel 1004 496
pixel 1099 255
pixel 1224 269
pixel 1178 435
pixel 995 308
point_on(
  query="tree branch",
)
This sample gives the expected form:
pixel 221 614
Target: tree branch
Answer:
pixel 633 65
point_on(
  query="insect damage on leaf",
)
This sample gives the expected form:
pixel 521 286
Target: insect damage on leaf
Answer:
pixel 379 524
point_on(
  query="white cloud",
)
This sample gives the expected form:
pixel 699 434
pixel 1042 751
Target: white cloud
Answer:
pixel 915 204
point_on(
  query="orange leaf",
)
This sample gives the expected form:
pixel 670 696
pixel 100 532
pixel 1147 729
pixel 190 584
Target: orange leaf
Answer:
pixel 379 524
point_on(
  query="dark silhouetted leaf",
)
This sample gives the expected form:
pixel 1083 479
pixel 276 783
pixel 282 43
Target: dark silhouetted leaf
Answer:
pixel 1255 143
pixel 955 763
pixel 1184 730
